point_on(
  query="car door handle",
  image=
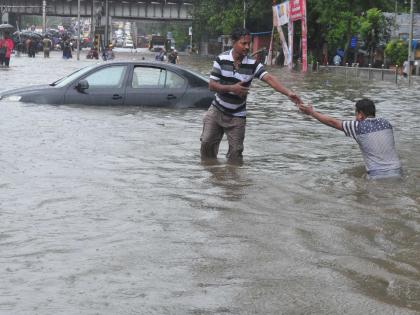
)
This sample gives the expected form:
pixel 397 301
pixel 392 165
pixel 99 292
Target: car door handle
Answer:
pixel 116 97
pixel 171 97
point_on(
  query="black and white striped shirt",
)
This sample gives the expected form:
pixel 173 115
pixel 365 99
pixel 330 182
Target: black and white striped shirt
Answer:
pixel 224 72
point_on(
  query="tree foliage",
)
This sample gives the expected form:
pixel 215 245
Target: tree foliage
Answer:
pixel 333 22
pixel 373 29
pixel 396 52
pixel 217 17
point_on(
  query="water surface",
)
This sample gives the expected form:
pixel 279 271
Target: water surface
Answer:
pixel 108 210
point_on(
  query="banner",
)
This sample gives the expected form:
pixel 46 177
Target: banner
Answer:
pixel 281 14
pixel 291 34
pixel 296 10
pixel 281 17
pixel 304 47
pixel 284 45
pixel 287 13
pixel 304 37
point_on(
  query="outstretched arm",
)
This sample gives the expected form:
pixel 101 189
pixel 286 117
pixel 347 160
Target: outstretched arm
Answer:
pixel 275 84
pixel 325 119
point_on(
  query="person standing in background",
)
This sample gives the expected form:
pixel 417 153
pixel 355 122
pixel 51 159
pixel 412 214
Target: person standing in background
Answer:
pixel 9 45
pixel 406 68
pixel 173 57
pixel 46 45
pixel 3 49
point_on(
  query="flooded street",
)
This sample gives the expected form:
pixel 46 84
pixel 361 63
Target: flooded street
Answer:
pixel 108 210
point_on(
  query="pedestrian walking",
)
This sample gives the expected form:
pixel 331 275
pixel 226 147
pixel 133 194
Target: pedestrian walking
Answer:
pixel 231 77
pixel 161 55
pixel 406 68
pixel 3 49
pixel 108 54
pixel 67 50
pixel 32 45
pixel 173 57
pixel 337 60
pixel 374 136
pixel 7 47
pixel 46 46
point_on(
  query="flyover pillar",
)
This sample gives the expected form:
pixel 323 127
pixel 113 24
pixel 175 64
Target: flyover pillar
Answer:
pixel 106 39
pixel 44 16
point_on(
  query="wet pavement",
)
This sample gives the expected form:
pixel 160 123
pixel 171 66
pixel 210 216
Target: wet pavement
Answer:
pixel 108 210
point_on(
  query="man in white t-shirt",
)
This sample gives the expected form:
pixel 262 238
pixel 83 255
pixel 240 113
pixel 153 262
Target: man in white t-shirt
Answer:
pixel 406 68
pixel 337 60
pixel 374 136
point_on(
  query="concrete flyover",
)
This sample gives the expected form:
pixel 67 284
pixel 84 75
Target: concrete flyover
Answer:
pixel 125 9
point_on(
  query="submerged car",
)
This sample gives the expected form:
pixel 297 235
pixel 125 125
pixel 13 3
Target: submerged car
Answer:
pixel 122 83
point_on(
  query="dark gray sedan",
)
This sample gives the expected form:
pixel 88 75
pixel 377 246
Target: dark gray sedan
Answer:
pixel 122 83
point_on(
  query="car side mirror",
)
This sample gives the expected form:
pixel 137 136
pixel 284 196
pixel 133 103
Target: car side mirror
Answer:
pixel 82 85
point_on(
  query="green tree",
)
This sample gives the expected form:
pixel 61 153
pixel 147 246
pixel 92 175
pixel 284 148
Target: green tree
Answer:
pixel 396 52
pixel 180 33
pixel 215 17
pixel 336 21
pixel 333 22
pixel 373 30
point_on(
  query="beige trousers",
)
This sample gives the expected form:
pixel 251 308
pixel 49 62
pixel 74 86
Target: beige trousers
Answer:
pixel 215 125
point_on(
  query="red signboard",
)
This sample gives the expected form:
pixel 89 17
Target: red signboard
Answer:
pixel 296 10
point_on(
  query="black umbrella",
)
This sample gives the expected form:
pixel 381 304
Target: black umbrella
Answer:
pixel 6 27
pixel 31 34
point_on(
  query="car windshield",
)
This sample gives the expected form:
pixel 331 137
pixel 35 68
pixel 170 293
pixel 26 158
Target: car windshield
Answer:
pixel 64 81
pixel 206 79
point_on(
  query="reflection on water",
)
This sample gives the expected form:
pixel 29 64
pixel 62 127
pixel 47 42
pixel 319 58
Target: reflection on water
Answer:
pixel 110 211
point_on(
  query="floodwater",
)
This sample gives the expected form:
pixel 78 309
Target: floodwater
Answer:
pixel 109 211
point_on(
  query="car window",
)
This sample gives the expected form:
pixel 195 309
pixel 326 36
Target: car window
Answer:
pixel 64 81
pixel 107 77
pixel 146 77
pixel 174 81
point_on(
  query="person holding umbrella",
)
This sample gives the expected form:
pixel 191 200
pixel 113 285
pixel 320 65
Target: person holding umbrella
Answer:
pixel 6 47
pixel 3 49
pixel 8 42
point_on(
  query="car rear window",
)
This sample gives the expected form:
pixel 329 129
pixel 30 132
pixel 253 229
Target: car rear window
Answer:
pixel 154 77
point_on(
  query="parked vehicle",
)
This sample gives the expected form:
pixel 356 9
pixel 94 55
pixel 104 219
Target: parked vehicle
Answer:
pixel 128 43
pixel 122 83
pixel 157 43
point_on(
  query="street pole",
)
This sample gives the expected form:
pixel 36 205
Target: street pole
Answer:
pixel 44 16
pixel 244 13
pixel 78 29
pixel 410 42
pixel 396 17
pixel 190 33
pixel 106 24
pixel 92 19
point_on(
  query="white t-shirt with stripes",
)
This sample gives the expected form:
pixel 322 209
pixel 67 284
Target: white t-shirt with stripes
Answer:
pixel 225 73
pixel 375 138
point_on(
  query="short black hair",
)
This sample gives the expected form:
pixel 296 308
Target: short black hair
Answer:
pixel 367 107
pixel 237 33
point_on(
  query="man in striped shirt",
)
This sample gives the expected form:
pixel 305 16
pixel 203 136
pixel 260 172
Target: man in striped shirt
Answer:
pixel 231 77
pixel 374 136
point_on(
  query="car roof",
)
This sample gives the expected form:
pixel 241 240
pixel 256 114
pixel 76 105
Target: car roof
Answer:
pixel 194 76
pixel 144 63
